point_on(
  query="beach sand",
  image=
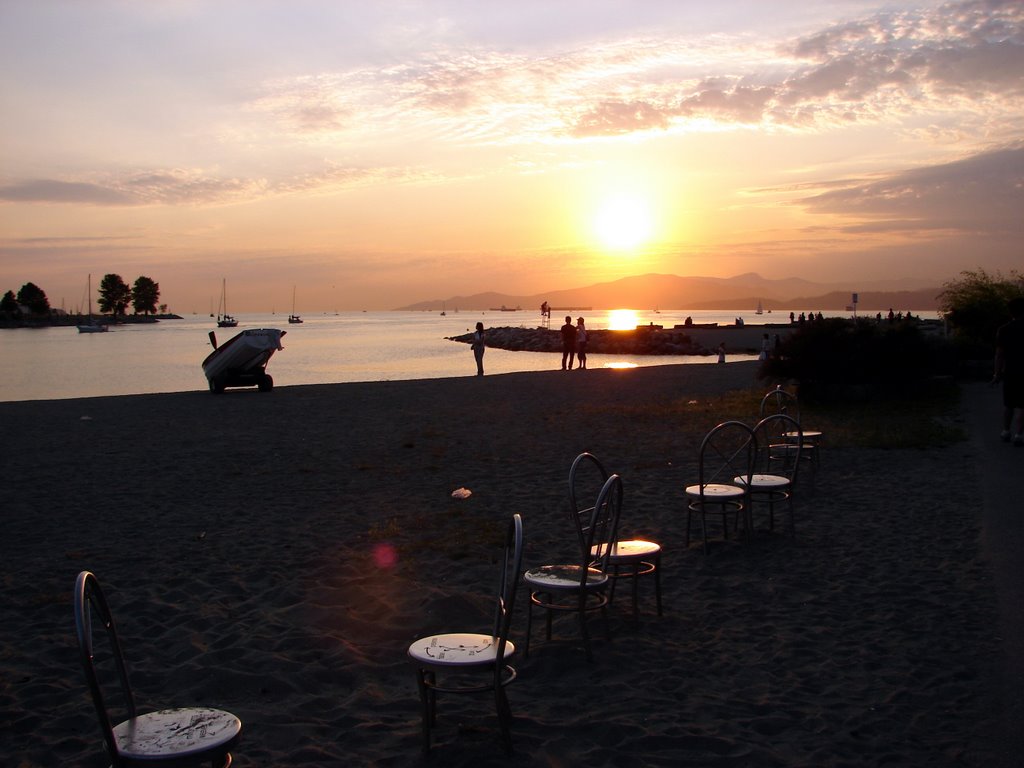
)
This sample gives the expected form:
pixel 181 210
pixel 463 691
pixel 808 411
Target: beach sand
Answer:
pixel 274 555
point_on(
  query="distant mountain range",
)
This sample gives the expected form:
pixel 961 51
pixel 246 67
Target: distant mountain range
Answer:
pixel 742 292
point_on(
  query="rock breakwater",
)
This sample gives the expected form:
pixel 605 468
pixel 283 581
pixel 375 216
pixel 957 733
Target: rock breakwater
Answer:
pixel 644 340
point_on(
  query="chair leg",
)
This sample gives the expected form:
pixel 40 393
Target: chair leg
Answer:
pixel 636 592
pixel 614 577
pixel 583 625
pixel 529 625
pixel 657 581
pixel 427 705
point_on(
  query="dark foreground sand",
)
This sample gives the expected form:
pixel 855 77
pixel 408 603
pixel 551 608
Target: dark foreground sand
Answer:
pixel 274 554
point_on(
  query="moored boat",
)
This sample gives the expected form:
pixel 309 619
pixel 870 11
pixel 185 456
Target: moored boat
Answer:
pixel 293 318
pixel 242 360
pixel 224 320
pixel 91 325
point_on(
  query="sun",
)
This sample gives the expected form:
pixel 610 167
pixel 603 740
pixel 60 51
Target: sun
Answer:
pixel 623 223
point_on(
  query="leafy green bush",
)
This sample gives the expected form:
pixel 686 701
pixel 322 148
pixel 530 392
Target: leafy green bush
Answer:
pixel 975 306
pixel 840 359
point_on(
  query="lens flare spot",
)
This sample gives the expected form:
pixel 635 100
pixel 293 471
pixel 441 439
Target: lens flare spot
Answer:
pixel 385 556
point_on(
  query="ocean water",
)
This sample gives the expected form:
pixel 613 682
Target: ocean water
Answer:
pixel 60 363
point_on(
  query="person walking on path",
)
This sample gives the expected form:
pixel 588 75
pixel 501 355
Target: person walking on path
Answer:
pixel 721 352
pixel 568 343
pixel 478 348
pixel 1009 368
pixel 581 343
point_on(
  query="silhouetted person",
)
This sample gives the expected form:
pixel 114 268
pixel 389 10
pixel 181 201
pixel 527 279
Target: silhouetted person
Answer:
pixel 568 343
pixel 478 348
pixel 1009 368
pixel 581 343
pixel 721 352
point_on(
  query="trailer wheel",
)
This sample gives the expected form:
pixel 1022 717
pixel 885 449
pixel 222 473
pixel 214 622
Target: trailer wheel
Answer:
pixel 266 383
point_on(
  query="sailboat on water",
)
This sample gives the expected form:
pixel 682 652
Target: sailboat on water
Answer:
pixel 224 320
pixel 293 318
pixel 760 308
pixel 91 326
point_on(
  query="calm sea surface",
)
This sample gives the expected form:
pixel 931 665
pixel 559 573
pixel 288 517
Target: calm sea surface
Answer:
pixel 61 363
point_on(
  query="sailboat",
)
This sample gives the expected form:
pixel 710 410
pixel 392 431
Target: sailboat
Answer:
pixel 224 320
pixel 760 308
pixel 91 326
pixel 293 318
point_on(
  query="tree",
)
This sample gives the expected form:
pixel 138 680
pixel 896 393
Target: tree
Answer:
pixel 145 294
pixel 9 304
pixel 115 295
pixel 976 305
pixel 33 297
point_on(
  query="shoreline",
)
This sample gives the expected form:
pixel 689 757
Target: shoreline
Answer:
pixel 239 541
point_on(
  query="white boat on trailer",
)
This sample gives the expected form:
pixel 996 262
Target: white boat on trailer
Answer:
pixel 242 360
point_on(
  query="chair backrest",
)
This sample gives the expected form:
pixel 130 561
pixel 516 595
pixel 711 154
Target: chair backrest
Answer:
pixel 586 478
pixel 727 452
pixel 512 568
pixel 780 401
pixel 89 600
pixel 603 526
pixel 779 444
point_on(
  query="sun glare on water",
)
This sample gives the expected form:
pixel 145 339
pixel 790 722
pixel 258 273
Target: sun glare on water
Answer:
pixel 621 320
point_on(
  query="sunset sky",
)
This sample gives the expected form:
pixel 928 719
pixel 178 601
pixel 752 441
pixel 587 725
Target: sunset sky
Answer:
pixel 374 154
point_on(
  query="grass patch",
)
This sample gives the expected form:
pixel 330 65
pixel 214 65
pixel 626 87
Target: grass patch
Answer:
pixel 927 420
pixel 924 422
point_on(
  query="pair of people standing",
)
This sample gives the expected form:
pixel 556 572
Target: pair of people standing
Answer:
pixel 574 343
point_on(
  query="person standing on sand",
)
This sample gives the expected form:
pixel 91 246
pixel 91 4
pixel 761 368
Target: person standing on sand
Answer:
pixel 1009 368
pixel 478 348
pixel 721 352
pixel 581 343
pixel 568 343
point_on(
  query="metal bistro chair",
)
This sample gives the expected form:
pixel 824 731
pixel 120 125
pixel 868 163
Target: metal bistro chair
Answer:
pixel 726 452
pixel 169 737
pixel 630 558
pixel 779 400
pixel 776 465
pixel 464 656
pixel 580 587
